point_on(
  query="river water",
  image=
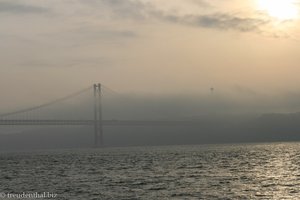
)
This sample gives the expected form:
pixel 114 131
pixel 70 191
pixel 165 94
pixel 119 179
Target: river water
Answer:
pixel 239 171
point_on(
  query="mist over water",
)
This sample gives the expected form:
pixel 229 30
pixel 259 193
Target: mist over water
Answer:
pixel 215 118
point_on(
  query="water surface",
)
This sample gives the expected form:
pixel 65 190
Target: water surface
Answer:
pixel 252 171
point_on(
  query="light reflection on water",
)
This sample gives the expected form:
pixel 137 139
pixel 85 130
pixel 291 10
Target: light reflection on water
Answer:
pixel 252 171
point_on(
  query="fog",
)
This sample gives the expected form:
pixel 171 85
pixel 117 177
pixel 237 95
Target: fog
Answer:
pixel 218 118
pixel 162 59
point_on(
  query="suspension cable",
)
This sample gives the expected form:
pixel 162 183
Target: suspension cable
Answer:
pixel 47 104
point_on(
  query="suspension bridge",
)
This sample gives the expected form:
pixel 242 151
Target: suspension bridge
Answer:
pixel 32 116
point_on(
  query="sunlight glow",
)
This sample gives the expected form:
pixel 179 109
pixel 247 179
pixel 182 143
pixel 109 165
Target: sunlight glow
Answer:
pixel 280 9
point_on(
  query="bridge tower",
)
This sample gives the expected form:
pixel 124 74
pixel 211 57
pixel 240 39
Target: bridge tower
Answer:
pixel 98 126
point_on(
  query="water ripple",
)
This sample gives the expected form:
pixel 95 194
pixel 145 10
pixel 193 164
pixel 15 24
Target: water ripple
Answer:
pixel 253 171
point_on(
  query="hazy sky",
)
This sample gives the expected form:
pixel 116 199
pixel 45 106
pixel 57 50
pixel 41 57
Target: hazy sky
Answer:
pixel 243 49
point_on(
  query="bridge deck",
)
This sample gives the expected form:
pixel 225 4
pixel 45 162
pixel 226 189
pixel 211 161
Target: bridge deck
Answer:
pixel 104 122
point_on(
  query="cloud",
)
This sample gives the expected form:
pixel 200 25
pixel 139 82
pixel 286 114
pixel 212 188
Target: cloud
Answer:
pixel 89 35
pixel 104 33
pixel 220 20
pixel 69 62
pixel 226 22
pixel 120 8
pixel 18 8
pixel 200 3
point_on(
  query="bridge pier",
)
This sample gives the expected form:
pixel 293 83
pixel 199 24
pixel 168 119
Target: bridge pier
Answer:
pixel 98 125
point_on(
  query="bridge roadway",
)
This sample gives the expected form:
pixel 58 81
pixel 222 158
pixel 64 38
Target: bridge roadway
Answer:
pixel 104 122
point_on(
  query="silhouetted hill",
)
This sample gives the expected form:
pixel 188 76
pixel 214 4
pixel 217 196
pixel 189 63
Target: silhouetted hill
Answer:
pixel 278 126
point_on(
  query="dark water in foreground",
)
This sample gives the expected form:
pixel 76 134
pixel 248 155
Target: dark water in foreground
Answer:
pixel 252 171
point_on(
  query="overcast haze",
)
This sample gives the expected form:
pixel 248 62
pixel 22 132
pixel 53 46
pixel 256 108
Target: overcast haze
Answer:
pixel 162 57
pixel 49 48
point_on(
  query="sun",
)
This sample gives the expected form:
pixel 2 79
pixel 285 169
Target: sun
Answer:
pixel 280 9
